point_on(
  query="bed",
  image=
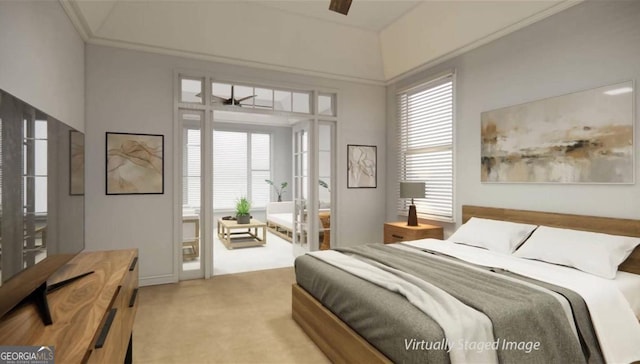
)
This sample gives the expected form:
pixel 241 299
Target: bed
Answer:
pixel 341 343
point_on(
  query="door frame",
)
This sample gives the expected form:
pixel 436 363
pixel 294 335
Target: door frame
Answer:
pixel 207 225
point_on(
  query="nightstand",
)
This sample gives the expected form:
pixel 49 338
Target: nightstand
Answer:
pixel 400 231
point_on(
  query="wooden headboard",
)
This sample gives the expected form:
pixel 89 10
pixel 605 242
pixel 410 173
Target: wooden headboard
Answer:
pixel 607 225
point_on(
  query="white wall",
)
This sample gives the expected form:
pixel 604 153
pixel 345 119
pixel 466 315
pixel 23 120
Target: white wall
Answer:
pixel 589 45
pixel 131 91
pixel 42 59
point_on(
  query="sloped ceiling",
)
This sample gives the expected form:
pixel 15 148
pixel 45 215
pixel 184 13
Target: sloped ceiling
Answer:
pixel 377 42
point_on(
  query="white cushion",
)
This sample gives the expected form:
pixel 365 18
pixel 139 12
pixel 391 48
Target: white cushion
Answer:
pixel 280 207
pixel 595 253
pixel 498 236
pixel 284 220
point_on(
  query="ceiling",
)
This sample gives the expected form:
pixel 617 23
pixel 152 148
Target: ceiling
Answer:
pixel 378 42
pixel 367 15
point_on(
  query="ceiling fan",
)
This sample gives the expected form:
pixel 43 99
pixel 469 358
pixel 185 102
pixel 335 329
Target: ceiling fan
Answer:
pixel 230 101
pixel 340 6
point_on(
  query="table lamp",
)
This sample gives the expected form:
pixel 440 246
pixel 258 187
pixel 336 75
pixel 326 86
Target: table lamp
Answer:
pixel 412 190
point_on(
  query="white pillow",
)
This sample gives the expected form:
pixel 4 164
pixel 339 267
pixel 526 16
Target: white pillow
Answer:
pixel 495 235
pixel 595 253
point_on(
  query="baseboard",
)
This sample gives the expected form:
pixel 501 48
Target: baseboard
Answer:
pixel 156 280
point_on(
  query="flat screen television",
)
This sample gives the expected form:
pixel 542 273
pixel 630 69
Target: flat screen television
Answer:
pixel 41 199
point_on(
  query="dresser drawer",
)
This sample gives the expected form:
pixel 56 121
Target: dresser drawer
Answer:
pixel 115 332
pixel 130 304
pixel 399 231
pixel 108 345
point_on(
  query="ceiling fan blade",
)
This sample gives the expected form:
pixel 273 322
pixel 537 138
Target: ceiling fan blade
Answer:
pixel 222 99
pixel 340 6
pixel 244 98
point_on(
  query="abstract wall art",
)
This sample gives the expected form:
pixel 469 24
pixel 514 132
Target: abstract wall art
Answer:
pixel 362 166
pixel 582 137
pixel 135 164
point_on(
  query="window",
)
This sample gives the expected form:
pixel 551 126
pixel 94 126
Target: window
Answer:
pixel 241 163
pixel 191 168
pixel 425 140
pixel 261 98
pixel 326 104
pixel 191 90
pixel 34 166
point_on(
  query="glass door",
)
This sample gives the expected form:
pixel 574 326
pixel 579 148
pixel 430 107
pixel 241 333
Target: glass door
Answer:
pixel 326 139
pixel 191 244
pixel 304 239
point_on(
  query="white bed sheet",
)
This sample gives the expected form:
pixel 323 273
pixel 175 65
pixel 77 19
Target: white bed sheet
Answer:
pixel 629 285
pixel 613 319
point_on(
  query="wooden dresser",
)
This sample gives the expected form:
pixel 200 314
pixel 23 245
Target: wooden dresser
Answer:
pixel 92 317
pixel 400 231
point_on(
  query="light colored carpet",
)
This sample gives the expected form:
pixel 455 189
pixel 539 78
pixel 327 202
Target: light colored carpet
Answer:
pixel 235 318
pixel 277 253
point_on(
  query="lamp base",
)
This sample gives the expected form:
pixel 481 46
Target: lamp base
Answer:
pixel 413 216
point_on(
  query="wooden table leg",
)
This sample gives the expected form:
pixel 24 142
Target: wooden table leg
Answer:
pixel 226 231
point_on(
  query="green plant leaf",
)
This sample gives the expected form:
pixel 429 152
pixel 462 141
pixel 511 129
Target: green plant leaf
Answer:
pixel 243 207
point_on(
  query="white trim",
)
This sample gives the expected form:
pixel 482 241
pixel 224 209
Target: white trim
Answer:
pixel 177 180
pixel 484 40
pixel 77 19
pixel 454 80
pixel 178 273
pixel 155 280
pixel 431 79
pixel 206 195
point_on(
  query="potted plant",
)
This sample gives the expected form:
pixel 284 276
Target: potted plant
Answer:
pixel 279 191
pixel 243 211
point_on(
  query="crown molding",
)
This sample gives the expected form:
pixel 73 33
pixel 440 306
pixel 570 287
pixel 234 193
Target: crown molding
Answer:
pixel 77 19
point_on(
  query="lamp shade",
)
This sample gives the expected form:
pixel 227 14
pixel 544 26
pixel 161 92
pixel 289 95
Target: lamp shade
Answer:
pixel 412 189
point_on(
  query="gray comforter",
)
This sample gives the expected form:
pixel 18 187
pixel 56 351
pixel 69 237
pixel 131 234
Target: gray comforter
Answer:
pixel 529 324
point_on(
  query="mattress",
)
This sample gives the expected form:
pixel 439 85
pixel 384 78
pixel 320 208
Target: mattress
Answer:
pixel 512 305
pixel 360 303
pixel 383 318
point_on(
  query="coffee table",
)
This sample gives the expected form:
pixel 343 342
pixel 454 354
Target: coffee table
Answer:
pixel 226 234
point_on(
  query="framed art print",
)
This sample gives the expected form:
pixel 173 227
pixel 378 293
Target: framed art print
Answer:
pixel 362 166
pixel 582 137
pixel 134 164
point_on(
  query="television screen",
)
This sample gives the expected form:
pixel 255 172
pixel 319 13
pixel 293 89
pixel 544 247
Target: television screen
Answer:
pixel 41 193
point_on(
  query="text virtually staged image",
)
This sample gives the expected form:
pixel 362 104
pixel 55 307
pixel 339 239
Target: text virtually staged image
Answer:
pixel 346 181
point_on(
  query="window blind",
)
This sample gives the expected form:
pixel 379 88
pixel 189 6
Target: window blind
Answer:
pixel 425 141
pixel 260 169
pixel 235 174
pixel 241 164
pixel 230 174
